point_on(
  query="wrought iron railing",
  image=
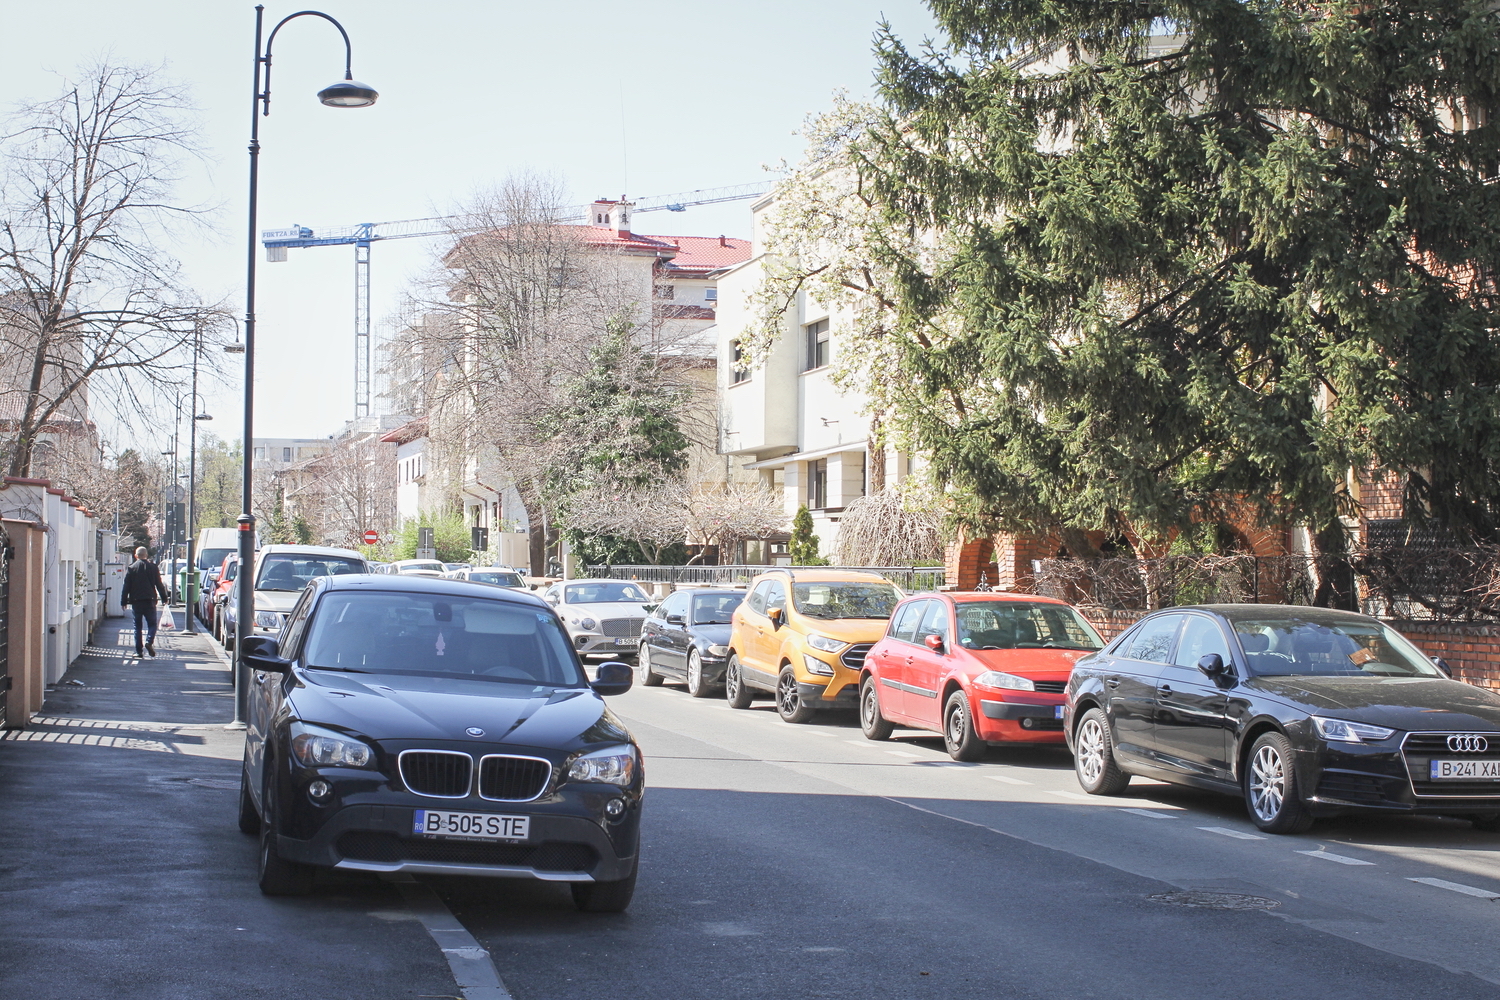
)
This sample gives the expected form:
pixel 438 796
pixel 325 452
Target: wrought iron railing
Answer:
pixel 909 578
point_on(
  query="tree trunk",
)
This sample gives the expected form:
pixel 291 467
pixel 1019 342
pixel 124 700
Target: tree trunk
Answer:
pixel 875 458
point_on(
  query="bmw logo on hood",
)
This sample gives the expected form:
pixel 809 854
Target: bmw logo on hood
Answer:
pixel 474 731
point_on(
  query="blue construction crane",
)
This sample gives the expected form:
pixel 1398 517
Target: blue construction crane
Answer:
pixel 365 234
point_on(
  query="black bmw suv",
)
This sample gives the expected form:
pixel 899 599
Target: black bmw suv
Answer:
pixel 410 724
pixel 1304 712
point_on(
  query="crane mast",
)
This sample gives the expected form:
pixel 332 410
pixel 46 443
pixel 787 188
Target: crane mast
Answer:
pixel 364 235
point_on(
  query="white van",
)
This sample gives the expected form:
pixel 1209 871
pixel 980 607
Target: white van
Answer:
pixel 213 545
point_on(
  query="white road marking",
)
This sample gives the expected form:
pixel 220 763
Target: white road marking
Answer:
pixel 903 753
pixel 1007 779
pixel 1071 795
pixel 1149 814
pixel 1467 890
pixel 472 967
pixel 1224 831
pixel 861 743
pixel 1335 857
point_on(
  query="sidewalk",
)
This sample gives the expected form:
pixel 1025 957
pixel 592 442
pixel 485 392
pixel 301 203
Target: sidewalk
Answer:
pixel 123 874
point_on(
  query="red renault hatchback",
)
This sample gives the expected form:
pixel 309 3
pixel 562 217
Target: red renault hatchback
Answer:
pixel 979 668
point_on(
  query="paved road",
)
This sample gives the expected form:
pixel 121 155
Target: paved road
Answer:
pixel 806 861
pixel 781 861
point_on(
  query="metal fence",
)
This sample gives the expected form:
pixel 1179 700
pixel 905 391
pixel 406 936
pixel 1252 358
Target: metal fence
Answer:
pixel 1450 584
pixel 909 578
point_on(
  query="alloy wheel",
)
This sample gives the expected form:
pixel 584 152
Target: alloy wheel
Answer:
pixel 869 706
pixel 786 695
pixel 1089 745
pixel 1267 783
pixel 694 674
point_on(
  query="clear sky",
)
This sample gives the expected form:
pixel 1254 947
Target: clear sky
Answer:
pixel 632 97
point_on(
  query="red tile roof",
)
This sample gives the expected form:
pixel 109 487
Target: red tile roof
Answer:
pixel 691 254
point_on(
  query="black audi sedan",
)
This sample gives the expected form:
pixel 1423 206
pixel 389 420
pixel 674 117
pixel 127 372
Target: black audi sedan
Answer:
pixel 1305 712
pixel 687 637
pixel 413 724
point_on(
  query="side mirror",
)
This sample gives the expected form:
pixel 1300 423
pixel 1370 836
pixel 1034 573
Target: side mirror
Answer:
pixel 1442 665
pixel 934 642
pixel 676 620
pixel 263 653
pixel 1212 664
pixel 550 598
pixel 775 615
pixel 613 678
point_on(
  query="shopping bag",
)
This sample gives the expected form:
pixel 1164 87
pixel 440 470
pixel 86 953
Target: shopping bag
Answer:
pixel 166 619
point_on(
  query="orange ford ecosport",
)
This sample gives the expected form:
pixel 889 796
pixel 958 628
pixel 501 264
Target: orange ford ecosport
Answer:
pixel 802 634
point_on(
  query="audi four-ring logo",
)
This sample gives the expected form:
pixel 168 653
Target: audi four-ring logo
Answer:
pixel 1468 744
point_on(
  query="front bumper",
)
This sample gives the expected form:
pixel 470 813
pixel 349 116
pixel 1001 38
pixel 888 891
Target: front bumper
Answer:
pixel 837 693
pixel 1345 778
pixel 593 644
pixel 1037 719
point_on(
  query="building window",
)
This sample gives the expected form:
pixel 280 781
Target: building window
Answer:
pixel 711 295
pixel 260 454
pixel 817 484
pixel 738 370
pixel 817 344
pixel 665 291
pixel 286 454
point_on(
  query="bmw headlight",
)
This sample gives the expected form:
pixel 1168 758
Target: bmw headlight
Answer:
pixel 588 624
pixel 267 619
pixel 824 643
pixel 1341 731
pixel 1008 682
pixel 718 650
pixel 612 766
pixel 816 666
pixel 313 746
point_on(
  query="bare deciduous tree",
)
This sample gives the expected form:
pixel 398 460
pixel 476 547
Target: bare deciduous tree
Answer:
pixel 91 306
pixel 891 527
pixel 673 510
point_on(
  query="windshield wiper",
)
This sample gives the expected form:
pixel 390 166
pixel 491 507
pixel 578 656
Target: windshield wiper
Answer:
pixel 342 670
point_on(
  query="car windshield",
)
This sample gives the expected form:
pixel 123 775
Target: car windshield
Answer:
pixel 497 578
pixel 845 600
pixel 1328 646
pixel 213 558
pixel 1023 625
pixel 715 609
pixel 435 636
pixel 605 592
pixel 292 571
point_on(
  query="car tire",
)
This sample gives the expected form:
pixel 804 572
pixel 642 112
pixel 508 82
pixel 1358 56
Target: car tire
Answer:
pixel 605 897
pixel 789 703
pixel 249 818
pixel 735 690
pixel 696 685
pixel 872 723
pixel 959 735
pixel 1272 794
pixel 278 876
pixel 1094 756
pixel 648 677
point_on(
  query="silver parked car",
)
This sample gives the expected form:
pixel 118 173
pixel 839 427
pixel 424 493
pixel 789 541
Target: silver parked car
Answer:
pixel 603 617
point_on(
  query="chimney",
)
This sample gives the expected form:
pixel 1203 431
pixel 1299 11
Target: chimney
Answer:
pixel 614 214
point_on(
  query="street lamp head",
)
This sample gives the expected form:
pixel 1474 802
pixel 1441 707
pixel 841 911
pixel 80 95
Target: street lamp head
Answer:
pixel 203 416
pixel 348 93
pixel 238 347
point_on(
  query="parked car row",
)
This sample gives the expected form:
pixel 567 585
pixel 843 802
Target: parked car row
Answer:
pixel 1303 712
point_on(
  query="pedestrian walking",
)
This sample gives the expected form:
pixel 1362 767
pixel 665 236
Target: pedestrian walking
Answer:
pixel 142 586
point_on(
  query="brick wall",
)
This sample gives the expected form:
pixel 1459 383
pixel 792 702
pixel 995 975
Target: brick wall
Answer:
pixel 1472 651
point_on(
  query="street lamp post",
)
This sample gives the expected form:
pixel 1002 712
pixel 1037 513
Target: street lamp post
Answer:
pixel 346 93
pixel 192 518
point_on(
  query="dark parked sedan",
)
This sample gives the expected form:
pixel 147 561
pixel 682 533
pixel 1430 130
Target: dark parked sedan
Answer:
pixel 411 724
pixel 1305 712
pixel 687 637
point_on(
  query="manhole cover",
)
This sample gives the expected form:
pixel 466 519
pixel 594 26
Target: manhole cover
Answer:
pixel 1215 900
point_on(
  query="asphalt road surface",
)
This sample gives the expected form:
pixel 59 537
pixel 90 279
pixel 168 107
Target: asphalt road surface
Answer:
pixel 806 861
pixel 779 861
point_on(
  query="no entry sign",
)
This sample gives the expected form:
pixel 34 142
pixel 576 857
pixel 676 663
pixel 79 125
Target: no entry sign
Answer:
pixel 372 538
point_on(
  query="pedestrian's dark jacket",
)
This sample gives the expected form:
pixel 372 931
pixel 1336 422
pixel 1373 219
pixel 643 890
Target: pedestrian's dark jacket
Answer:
pixel 143 583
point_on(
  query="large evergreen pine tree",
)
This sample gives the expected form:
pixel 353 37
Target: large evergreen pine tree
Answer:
pixel 1187 252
